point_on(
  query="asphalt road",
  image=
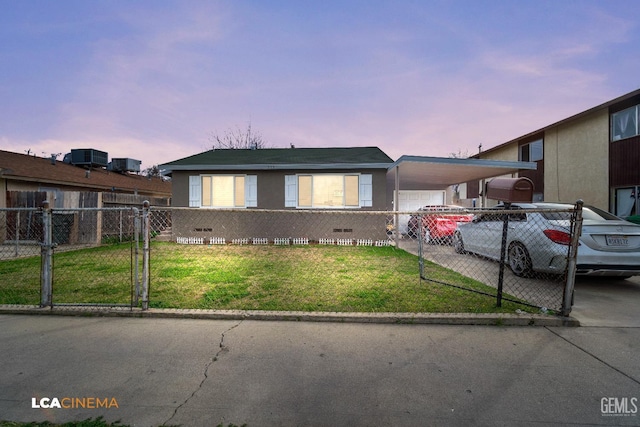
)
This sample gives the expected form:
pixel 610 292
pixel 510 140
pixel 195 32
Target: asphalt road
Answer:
pixel 263 373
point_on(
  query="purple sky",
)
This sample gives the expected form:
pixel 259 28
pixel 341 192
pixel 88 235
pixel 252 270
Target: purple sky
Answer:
pixel 153 80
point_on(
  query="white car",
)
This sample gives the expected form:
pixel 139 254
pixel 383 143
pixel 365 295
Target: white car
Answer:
pixel 539 241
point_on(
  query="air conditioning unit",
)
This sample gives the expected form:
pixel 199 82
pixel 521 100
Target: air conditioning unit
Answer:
pixel 125 165
pixel 89 157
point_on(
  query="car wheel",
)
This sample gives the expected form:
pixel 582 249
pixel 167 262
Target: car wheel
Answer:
pixel 519 260
pixel 458 244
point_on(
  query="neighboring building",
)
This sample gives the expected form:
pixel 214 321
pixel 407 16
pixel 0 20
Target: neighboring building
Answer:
pixel 27 180
pixel 593 156
pixel 282 178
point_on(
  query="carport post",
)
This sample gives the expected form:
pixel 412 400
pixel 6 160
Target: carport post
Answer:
pixel 576 230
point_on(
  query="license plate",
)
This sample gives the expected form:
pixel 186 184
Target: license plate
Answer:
pixel 617 240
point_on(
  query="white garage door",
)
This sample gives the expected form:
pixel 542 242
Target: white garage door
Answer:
pixel 412 200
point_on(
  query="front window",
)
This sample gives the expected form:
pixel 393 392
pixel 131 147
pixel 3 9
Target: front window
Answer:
pixel 624 124
pixel 223 191
pixel 328 191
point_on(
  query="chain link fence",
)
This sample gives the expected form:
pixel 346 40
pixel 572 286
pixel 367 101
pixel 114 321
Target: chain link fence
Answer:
pixel 522 254
pixel 77 256
pixel 288 259
pixel 532 271
pixel 95 256
pixel 20 262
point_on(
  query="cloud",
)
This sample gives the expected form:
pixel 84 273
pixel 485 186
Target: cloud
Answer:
pixel 156 81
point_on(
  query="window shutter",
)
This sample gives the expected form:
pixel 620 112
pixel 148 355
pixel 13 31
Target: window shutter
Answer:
pixel 290 191
pixel 251 191
pixel 366 190
pixel 194 191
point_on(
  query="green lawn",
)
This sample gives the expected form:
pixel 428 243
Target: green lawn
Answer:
pixel 297 278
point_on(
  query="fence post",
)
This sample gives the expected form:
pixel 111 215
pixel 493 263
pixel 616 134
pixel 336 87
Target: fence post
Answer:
pixel 46 272
pixel 136 257
pixel 503 253
pixel 17 233
pixel 576 230
pixel 146 234
pixel 421 242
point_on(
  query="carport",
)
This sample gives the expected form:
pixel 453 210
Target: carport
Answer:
pixel 546 291
pixel 427 178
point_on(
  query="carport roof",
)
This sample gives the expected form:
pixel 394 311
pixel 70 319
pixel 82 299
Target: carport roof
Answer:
pixel 441 172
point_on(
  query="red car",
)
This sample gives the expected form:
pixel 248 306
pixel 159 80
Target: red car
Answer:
pixel 437 227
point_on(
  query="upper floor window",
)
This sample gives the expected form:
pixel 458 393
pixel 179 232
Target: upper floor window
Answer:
pixel 531 152
pixel 624 124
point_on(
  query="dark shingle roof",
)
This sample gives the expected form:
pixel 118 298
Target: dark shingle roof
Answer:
pixel 21 167
pixel 284 158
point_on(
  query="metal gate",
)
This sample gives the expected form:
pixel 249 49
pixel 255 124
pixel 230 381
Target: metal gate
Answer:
pixel 90 257
pixel 527 256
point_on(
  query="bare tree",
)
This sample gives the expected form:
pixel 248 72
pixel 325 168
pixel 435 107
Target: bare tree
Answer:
pixel 152 172
pixel 238 139
pixel 460 154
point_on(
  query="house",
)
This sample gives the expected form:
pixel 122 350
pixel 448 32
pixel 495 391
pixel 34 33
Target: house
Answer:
pixel 282 178
pixel 242 193
pixel 28 180
pixel 305 181
pixel 593 156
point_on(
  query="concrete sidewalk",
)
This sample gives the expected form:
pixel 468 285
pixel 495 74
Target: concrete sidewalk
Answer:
pixel 198 372
pixel 520 318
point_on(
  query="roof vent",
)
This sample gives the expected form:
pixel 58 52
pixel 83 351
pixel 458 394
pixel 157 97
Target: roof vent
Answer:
pixel 125 165
pixel 89 157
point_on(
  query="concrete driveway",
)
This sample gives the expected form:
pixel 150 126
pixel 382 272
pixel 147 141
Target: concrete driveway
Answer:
pixel 601 301
pixel 598 301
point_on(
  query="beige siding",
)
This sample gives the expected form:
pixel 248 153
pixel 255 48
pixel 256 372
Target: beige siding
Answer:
pixel 576 158
pixel 13 185
pixel 507 153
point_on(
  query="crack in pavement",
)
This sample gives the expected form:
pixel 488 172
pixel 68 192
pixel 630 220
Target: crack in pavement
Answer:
pixel 599 359
pixel 222 349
